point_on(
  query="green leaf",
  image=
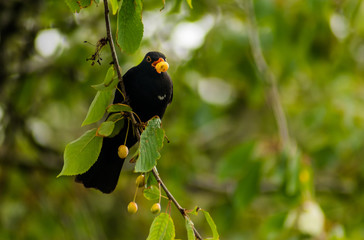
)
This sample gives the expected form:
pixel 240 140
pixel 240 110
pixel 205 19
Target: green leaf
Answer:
pixel 150 179
pixel 119 124
pixel 162 228
pixel 119 107
pixel 230 165
pixel 133 153
pixel 189 2
pixel 248 186
pixel 81 154
pixel 151 141
pixel 97 107
pixel 109 75
pixel 77 5
pixel 103 87
pixel 130 25
pixel 151 193
pixel 109 82
pixel 115 117
pixel 106 129
pixel 114 6
pixel 215 234
pixel 189 228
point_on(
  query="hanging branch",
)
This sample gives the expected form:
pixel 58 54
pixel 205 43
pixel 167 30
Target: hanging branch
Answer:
pixel 267 76
pixel 117 68
pixel 170 197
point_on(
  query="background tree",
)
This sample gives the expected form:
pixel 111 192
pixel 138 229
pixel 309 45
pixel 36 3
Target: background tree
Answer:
pixel 225 152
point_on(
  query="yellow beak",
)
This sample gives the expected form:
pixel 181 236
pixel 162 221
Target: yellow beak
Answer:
pixel 160 65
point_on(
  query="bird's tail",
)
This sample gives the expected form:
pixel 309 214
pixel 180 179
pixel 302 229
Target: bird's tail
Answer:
pixel 104 174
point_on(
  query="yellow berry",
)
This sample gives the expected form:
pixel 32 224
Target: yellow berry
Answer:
pixel 156 208
pixel 162 67
pixel 304 176
pixel 140 181
pixel 132 207
pixel 123 151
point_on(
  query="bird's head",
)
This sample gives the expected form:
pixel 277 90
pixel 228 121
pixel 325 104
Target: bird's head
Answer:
pixel 156 61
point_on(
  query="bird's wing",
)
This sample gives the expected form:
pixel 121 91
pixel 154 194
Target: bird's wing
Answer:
pixel 171 98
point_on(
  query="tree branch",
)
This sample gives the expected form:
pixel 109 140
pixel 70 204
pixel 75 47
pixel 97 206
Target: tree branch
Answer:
pixel 267 76
pixel 112 46
pixel 117 68
pixel 170 197
pixel 115 58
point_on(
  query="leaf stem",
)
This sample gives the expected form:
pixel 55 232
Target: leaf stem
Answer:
pixel 127 132
pixel 117 68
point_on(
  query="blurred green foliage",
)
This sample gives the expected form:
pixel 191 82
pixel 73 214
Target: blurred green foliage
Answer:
pixel 224 153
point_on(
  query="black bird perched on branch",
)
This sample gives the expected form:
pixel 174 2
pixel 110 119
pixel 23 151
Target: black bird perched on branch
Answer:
pixel 149 90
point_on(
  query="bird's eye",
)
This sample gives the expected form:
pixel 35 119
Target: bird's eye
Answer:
pixel 149 59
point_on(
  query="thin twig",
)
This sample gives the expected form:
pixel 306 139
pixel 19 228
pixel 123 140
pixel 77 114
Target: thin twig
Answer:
pixel 267 75
pixel 112 46
pixel 117 68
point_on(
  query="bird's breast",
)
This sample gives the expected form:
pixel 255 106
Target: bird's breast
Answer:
pixel 148 97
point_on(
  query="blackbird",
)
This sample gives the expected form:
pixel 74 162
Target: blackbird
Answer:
pixel 149 90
